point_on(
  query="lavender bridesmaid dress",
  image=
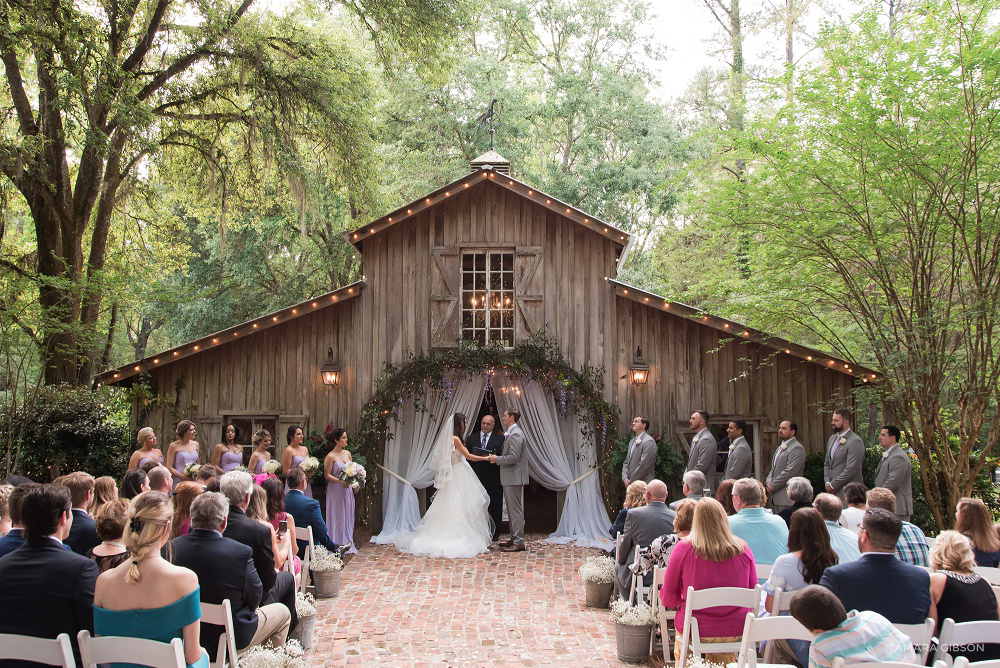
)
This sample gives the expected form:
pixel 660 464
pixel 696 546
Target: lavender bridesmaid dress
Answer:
pixel 340 511
pixel 182 459
pixel 259 466
pixel 296 460
pixel 143 460
pixel 230 460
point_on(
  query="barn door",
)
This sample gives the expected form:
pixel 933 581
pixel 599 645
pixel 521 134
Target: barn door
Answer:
pixel 445 295
pixel 530 317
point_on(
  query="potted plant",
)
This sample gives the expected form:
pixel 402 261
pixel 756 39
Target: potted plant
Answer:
pixel 326 567
pixel 633 627
pixel 598 575
pixel 305 608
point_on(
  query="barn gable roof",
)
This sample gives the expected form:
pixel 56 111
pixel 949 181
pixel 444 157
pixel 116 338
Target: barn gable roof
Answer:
pixel 124 375
pixel 740 331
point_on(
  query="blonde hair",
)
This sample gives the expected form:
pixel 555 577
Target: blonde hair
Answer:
pixel 5 491
pixel 143 434
pixel 953 552
pixel 257 508
pixel 105 491
pixel 148 518
pixel 259 436
pixel 635 494
pixel 710 535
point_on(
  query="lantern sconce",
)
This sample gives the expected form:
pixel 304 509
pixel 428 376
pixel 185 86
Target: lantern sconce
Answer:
pixel 640 368
pixel 330 370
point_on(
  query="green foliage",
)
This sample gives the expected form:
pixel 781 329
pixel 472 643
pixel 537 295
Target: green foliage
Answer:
pixel 814 471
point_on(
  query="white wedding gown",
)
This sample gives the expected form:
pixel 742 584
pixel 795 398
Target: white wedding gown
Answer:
pixel 457 524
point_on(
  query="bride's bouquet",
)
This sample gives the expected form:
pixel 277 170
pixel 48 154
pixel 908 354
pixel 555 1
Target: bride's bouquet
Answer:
pixel 272 466
pixel 309 466
pixel 191 470
pixel 354 475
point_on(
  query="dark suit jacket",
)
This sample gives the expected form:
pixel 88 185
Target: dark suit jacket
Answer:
pixel 619 523
pixel 898 591
pixel 46 590
pixel 254 535
pixel 82 535
pixel 15 539
pixel 307 513
pixel 225 569
pixel 489 474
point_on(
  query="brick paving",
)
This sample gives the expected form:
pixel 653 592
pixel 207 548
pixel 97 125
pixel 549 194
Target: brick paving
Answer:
pixel 518 609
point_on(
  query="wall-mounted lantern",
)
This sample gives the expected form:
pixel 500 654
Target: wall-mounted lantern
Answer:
pixel 640 368
pixel 330 370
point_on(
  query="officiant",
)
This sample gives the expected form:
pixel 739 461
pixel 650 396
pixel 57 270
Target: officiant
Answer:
pixel 488 442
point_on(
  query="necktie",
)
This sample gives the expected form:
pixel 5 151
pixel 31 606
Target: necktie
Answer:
pixel 485 438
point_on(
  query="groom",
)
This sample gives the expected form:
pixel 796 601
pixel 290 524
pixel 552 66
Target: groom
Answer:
pixel 513 476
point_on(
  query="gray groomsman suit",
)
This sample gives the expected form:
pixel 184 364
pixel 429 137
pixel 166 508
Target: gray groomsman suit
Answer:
pixel 514 476
pixel 740 462
pixel 643 525
pixel 702 456
pixel 640 459
pixel 787 463
pixel 843 461
pixel 894 473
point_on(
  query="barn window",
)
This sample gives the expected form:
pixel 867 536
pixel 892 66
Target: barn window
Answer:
pixel 488 298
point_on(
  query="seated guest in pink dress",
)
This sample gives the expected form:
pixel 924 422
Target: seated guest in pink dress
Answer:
pixel 710 557
pixel 276 515
pixel 184 496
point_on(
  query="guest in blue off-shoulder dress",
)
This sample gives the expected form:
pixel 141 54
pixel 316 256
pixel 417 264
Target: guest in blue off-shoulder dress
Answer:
pixel 146 596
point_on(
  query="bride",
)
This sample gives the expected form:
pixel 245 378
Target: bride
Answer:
pixel 458 523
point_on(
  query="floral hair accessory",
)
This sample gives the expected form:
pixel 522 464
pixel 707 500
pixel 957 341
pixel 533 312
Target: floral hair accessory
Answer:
pixel 261 477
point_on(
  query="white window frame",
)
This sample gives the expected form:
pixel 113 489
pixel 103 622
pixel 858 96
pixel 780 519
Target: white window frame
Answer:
pixel 492 333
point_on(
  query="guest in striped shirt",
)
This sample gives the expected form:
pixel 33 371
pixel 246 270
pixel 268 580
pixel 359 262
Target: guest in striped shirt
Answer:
pixel 855 637
pixel 912 544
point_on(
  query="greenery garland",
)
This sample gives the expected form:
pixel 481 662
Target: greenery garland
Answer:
pixel 539 360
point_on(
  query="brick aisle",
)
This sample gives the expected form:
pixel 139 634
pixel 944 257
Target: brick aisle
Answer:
pixel 522 609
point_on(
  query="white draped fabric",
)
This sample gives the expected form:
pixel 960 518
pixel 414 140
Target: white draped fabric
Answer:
pixel 559 457
pixel 410 452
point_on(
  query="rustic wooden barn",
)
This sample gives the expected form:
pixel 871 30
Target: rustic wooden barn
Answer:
pixel 546 265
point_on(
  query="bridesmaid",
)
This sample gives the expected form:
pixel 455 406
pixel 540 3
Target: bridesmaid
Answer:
pixel 183 451
pixel 147 451
pixel 261 454
pixel 294 453
pixel 228 454
pixel 339 495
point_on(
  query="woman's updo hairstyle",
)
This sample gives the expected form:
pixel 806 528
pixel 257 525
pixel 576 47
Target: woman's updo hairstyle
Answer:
pixel 335 436
pixel 291 432
pixel 183 426
pixel 259 436
pixel 143 434
pixel 148 518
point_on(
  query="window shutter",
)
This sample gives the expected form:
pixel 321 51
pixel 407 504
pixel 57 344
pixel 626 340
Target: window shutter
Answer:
pixel 530 316
pixel 445 294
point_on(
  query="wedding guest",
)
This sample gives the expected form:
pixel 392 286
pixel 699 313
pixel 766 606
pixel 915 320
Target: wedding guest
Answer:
pixel 658 553
pixel 912 545
pixel 692 487
pixel 226 570
pixel 147 452
pixel 643 525
pixel 184 496
pixel 149 466
pixel 208 474
pixel 856 503
pixel 228 454
pixel 879 581
pixel 185 450
pixel 972 519
pixel 261 441
pixel 855 637
pixel 146 596
pixel 257 510
pixel 711 557
pixel 5 523
pixel 133 484
pixel 160 480
pixel 724 495
pixel 110 525
pixel 635 496
pixel 276 514
pixel 294 453
pixel 766 534
pixel 105 491
pixel 339 495
pixel 800 493
pixel 16 480
pixel 306 512
pixel 15 537
pixel 843 541
pixel 82 535
pixel 959 592
pixel 47 590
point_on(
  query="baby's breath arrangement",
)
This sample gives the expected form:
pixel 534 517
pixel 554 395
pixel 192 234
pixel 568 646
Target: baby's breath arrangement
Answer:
pixel 598 569
pixel 265 656
pixel 699 662
pixel 324 561
pixel 305 604
pixel 633 615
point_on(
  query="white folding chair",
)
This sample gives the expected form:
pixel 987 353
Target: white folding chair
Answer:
pixel 222 615
pixel 114 649
pixel 990 574
pixel 965 633
pixel 962 662
pixel 920 637
pixel 930 540
pixel 58 652
pixel 763 572
pixel 638 585
pixel 757 630
pixel 782 601
pixel 305 533
pixel 840 663
pixel 664 616
pixel 712 598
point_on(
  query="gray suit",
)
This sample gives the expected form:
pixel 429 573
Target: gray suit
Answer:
pixel 787 463
pixel 843 464
pixel 643 525
pixel 702 456
pixel 740 462
pixel 639 463
pixel 895 473
pixel 513 465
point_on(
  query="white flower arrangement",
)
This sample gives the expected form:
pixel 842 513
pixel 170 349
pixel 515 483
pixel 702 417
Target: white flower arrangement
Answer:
pixel 265 656
pixel 354 474
pixel 324 561
pixel 272 466
pixel 632 615
pixel 191 470
pixel 309 466
pixel 700 662
pixel 598 569
pixel 305 604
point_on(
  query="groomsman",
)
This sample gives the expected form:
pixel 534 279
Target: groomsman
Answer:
pixel 845 453
pixel 703 449
pixel 490 442
pixel 641 457
pixel 789 462
pixel 740 462
pixel 895 471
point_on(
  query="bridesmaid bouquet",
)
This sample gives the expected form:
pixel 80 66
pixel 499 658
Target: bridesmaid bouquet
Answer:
pixel 354 475
pixel 272 466
pixel 309 466
pixel 191 470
